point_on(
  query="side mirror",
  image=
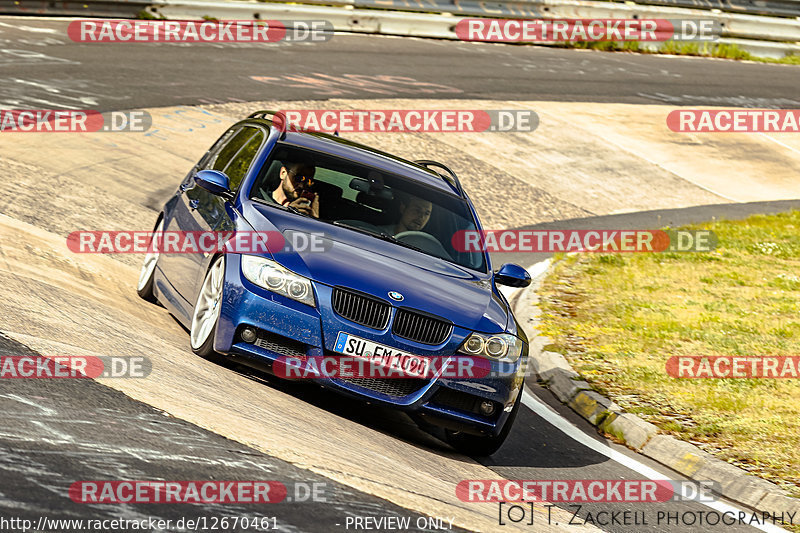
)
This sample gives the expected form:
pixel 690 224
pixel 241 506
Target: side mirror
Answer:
pixel 215 182
pixel 512 275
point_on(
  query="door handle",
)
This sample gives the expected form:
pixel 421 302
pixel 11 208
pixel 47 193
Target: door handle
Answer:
pixel 194 203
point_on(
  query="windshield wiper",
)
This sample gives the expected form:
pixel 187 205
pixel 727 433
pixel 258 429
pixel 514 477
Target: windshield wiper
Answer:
pixel 380 235
pixel 356 228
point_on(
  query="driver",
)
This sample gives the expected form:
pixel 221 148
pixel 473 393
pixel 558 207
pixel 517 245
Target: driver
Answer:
pixel 415 213
pixel 296 188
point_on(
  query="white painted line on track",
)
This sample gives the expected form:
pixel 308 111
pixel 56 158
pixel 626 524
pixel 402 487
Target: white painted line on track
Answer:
pixel 773 139
pixel 551 416
pixel 30 28
pixel 576 434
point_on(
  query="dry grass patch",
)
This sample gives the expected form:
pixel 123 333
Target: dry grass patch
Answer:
pixel 618 318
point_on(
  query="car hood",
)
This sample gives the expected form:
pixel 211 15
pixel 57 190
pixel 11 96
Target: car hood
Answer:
pixel 376 267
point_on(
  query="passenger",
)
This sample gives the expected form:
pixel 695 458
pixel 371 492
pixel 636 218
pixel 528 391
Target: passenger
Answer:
pixel 415 213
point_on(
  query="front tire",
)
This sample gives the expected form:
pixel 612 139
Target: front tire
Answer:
pixel 144 288
pixel 482 446
pixel 207 309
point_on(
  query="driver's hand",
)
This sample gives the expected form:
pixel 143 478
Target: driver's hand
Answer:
pixel 306 206
pixel 315 206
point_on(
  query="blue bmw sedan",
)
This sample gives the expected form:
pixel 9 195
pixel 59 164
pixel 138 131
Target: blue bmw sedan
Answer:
pixel 384 275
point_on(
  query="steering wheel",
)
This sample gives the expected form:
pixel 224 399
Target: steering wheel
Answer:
pixel 425 241
pixel 427 236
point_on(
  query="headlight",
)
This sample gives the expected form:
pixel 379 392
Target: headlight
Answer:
pixel 270 275
pixel 505 347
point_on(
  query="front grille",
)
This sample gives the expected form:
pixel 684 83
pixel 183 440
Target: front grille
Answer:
pixel 391 386
pixel 360 308
pixel 280 344
pixel 421 328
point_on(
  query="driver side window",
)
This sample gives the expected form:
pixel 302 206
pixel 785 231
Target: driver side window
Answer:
pixel 233 153
pixel 208 159
pixel 237 168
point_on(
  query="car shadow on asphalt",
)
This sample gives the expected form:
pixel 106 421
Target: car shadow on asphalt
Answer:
pixel 533 441
pixel 383 419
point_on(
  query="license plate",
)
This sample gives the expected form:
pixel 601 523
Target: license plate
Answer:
pixel 403 363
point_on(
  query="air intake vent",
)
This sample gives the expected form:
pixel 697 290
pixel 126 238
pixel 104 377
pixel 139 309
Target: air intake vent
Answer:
pixel 280 345
pixel 460 401
pixel 421 328
pixel 398 387
pixel 361 309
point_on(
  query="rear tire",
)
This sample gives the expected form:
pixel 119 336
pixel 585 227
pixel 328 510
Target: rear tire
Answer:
pixel 207 309
pixel 480 445
pixel 147 275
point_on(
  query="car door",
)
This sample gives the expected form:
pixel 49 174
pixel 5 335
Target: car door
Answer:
pixel 199 210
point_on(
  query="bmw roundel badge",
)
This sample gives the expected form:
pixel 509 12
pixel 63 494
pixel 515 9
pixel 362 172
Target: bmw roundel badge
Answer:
pixel 396 296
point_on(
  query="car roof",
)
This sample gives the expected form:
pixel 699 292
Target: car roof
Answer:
pixel 366 155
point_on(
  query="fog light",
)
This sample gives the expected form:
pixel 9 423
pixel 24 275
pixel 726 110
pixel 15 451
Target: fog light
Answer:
pixel 487 408
pixel 248 335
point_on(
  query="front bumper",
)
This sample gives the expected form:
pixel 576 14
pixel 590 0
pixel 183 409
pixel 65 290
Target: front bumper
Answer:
pixel 288 328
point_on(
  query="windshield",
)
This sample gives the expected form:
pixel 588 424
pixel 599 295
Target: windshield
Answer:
pixel 367 200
